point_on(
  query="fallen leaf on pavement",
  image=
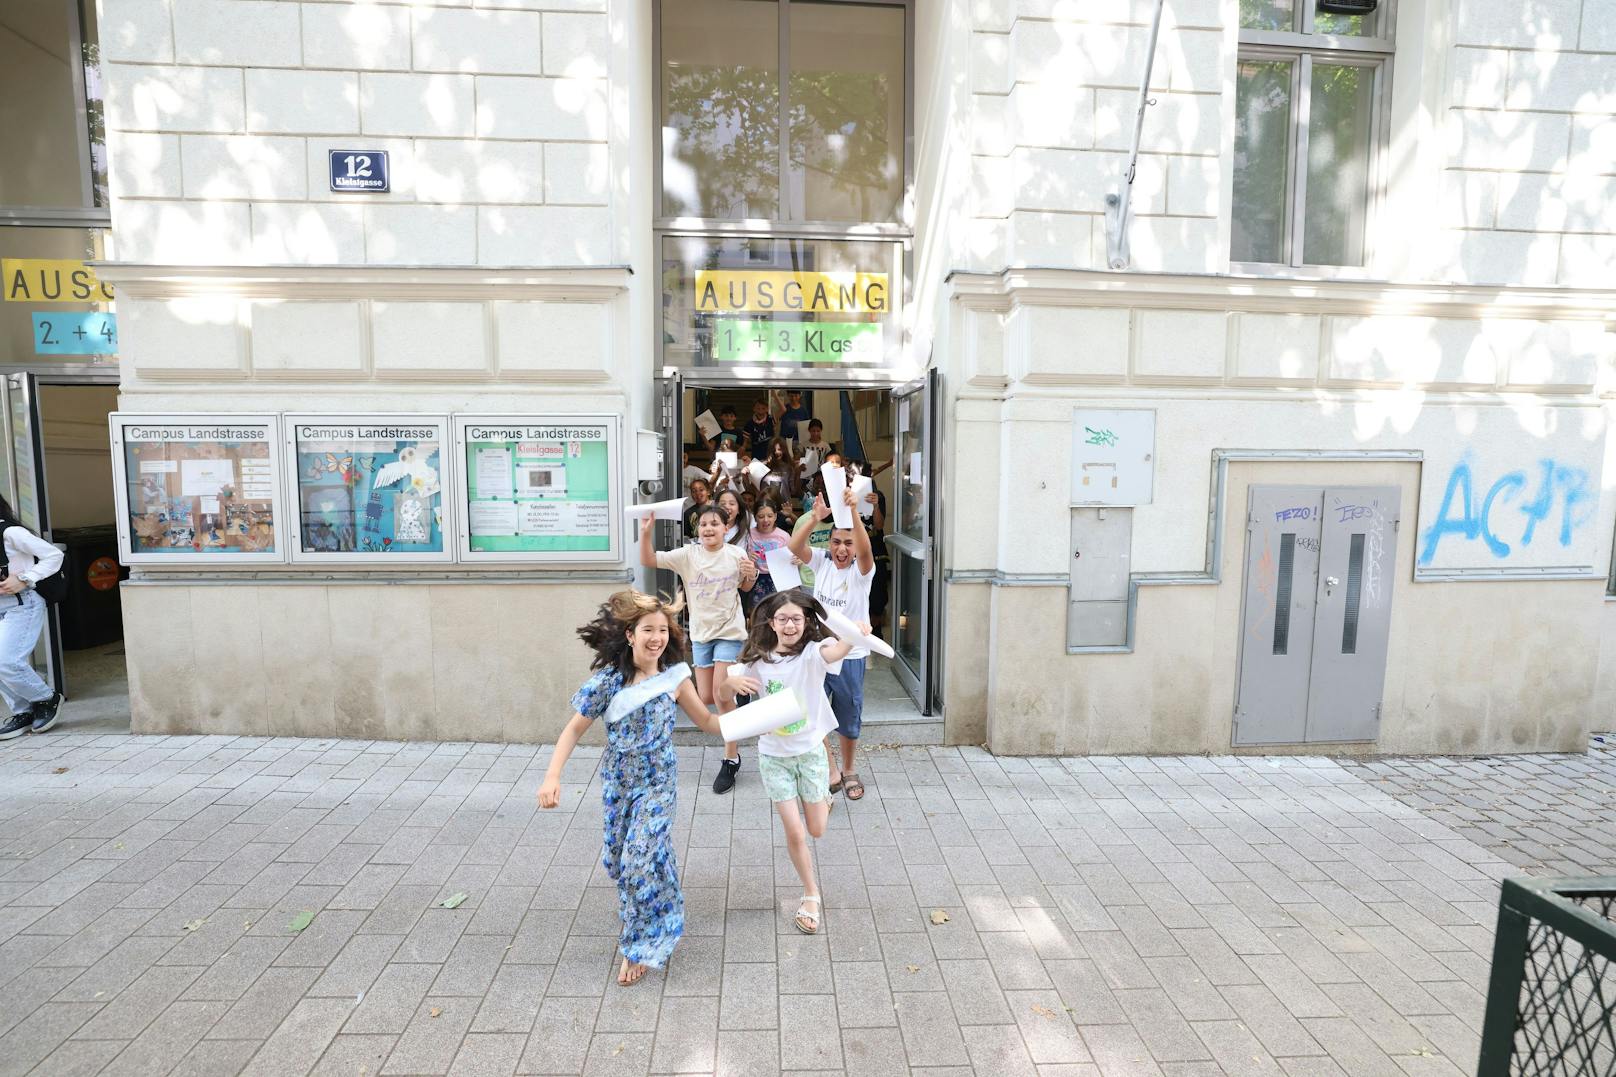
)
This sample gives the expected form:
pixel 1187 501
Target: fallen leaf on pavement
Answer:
pixel 912 968
pixel 300 921
pixel 192 925
pixel 59 770
pixel 453 901
pixel 435 1011
pixel 1043 1011
pixel 938 916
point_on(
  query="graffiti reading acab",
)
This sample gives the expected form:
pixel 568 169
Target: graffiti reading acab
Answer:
pixel 1099 437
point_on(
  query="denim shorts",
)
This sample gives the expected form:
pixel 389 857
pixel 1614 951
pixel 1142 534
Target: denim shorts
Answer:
pixel 846 692
pixel 715 650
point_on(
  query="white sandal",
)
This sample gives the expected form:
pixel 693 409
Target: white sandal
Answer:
pixel 804 914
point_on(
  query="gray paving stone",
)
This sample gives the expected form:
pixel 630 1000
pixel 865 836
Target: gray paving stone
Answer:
pixel 808 1033
pixel 433 1037
pixel 354 1056
pixel 559 1042
pixel 686 1036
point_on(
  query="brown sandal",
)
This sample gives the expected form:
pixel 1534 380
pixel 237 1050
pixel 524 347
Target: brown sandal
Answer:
pixel 854 787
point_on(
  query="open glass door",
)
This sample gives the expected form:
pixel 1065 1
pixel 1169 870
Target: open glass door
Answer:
pixel 24 482
pixel 911 542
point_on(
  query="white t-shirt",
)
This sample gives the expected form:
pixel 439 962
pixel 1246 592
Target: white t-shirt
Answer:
pixel 845 590
pixel 712 582
pixel 805 674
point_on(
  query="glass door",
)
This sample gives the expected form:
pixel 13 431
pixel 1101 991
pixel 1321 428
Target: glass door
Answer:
pixel 24 484
pixel 911 541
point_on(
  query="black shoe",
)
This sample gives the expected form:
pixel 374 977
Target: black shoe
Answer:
pixel 17 726
pixel 44 713
pixel 726 775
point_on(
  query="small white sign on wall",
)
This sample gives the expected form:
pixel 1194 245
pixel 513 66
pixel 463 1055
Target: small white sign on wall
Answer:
pixel 1113 456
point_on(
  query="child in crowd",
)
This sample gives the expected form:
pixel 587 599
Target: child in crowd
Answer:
pixel 691 472
pixel 728 439
pixel 701 493
pixel 783 479
pixel 842 581
pixel 814 451
pixel 788 650
pixel 640 680
pixel 714 574
pixel 760 428
pixel 792 413
pixel 766 535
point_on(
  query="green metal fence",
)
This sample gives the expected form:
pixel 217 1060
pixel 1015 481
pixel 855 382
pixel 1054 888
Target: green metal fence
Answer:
pixel 1551 1002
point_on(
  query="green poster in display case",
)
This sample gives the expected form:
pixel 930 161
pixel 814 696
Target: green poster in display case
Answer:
pixel 539 489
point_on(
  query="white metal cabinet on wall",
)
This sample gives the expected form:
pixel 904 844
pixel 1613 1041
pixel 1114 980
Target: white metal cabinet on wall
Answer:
pixel 1317 613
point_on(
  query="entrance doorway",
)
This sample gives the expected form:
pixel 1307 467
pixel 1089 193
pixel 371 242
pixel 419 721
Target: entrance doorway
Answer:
pixel 1317 613
pixel 58 478
pixel 886 428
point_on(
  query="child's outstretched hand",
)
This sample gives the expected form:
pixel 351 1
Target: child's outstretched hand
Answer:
pixel 821 510
pixel 745 686
pixel 549 793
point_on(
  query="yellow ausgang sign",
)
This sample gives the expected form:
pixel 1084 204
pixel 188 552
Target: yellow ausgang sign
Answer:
pixel 735 290
pixel 52 280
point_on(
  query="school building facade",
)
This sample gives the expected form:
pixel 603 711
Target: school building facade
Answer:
pixel 1308 449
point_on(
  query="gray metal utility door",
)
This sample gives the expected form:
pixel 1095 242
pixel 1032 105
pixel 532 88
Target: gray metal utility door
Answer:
pixel 1317 613
pixel 1276 642
pixel 1354 611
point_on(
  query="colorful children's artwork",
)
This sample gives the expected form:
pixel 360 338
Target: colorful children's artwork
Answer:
pixel 369 487
pixel 199 487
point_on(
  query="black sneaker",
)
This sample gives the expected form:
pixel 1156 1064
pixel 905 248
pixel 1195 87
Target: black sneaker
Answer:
pixel 17 725
pixel 726 775
pixel 44 713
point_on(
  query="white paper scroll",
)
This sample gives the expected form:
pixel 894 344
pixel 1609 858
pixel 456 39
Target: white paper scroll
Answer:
pixel 660 510
pixel 862 486
pixel 764 715
pixel 782 568
pixel 845 629
pixel 835 489
pixel 707 425
pixel 757 469
pixel 730 461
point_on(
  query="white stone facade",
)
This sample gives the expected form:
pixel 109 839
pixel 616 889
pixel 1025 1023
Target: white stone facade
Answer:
pixel 512 265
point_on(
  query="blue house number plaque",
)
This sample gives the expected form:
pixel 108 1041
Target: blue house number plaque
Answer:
pixel 359 170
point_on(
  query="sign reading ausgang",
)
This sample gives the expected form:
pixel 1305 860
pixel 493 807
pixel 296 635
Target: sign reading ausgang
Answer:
pixel 761 291
pixel 52 280
pixel 359 170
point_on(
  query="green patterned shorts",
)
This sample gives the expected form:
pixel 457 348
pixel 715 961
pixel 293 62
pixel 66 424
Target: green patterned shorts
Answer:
pixel 787 777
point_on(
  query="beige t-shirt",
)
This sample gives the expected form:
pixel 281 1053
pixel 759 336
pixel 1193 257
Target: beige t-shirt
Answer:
pixel 712 580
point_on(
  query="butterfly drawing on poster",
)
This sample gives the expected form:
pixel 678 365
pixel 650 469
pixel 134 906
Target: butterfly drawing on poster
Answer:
pixel 342 466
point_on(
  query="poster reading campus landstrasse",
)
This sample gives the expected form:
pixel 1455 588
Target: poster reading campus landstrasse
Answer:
pixel 538 488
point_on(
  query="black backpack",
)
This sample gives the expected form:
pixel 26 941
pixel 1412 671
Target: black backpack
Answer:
pixel 52 588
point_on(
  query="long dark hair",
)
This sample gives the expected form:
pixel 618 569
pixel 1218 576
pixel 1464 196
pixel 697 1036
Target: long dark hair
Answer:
pixel 743 519
pixel 607 635
pixel 762 643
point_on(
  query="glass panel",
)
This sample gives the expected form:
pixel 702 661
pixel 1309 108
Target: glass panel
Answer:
pixel 1338 129
pixel 846 103
pixel 1268 15
pixel 41 128
pixel 1282 594
pixel 911 591
pixel 46 301
pixel 1330 22
pixel 1349 626
pixel 369 487
pixel 208 488
pixel 911 479
pixel 1261 161
pixel 721 109
pixel 785 303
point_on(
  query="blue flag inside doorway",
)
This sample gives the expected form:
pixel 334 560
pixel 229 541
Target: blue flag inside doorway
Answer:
pixel 852 447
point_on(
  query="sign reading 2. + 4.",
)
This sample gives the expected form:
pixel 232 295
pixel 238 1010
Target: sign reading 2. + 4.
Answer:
pixel 359 170
pixel 75 333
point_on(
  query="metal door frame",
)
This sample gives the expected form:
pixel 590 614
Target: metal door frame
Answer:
pixel 670 385
pixel 922 685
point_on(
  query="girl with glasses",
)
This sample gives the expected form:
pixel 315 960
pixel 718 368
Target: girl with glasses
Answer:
pixel 790 650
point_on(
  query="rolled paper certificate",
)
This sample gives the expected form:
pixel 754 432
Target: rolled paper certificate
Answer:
pixel 782 568
pixel 861 490
pixel 660 510
pixel 845 629
pixel 835 487
pixel 731 461
pixel 782 712
pixel 757 469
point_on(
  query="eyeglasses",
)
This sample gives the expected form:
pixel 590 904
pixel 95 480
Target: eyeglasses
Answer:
pixel 788 621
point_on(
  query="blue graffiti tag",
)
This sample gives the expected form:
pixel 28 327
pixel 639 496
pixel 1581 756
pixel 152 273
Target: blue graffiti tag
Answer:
pixel 1460 514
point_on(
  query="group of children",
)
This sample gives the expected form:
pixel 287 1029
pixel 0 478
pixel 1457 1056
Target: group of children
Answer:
pixel 747 639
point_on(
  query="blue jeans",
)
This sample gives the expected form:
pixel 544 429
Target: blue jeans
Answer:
pixel 20 625
pixel 846 692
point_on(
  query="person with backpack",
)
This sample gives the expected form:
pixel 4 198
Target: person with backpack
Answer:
pixel 30 561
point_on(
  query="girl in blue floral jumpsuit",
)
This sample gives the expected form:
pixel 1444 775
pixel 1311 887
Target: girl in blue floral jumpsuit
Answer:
pixel 640 680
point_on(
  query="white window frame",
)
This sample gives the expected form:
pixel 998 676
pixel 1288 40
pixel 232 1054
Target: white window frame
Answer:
pixel 1301 48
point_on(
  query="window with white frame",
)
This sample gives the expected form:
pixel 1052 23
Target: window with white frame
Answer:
pixel 1310 91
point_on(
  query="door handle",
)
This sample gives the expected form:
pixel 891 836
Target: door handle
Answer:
pixel 1330 584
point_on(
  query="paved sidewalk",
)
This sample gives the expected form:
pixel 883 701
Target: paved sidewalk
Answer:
pixel 1103 916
